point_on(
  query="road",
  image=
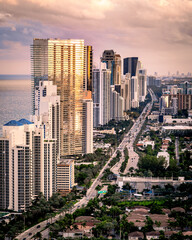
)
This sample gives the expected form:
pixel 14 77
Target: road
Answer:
pixel 127 141
pixel 130 137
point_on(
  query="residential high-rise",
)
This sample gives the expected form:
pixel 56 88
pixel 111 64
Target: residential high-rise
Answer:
pixel 28 162
pixel 88 68
pixel 88 123
pixel 21 177
pixel 116 104
pixel 105 96
pixel 65 176
pixel 117 70
pixel 142 77
pixel 4 173
pixel 47 111
pixel 113 63
pixel 64 63
pixel 134 92
pixel 126 91
pixel 16 161
pixel 44 164
pixel 96 97
pixel 130 65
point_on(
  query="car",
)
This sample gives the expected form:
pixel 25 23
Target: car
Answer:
pixel 30 234
pixel 38 226
pixel 48 223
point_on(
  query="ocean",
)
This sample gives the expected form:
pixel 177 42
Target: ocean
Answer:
pixel 15 98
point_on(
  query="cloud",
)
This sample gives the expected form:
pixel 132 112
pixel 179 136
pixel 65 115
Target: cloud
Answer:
pixel 145 27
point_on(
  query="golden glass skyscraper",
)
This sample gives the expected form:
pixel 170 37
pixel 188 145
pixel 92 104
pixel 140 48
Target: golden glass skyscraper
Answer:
pixel 64 63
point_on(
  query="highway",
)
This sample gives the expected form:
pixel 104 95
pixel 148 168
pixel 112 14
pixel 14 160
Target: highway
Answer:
pixel 127 141
pixel 130 137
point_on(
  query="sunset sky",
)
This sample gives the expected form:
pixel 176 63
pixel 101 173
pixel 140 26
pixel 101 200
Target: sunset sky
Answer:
pixel 159 32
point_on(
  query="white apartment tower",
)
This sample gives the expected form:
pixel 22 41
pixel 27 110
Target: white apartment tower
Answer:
pixel 134 92
pixel 142 76
pixel 16 175
pixel 126 92
pixel 47 111
pixel 105 95
pixel 28 162
pixel 88 123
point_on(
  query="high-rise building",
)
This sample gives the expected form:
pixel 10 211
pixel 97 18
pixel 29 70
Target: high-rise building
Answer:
pixel 28 162
pixel 116 104
pixel 65 176
pixel 88 56
pixel 96 97
pixel 16 161
pixel 105 96
pixel 134 92
pixel 64 63
pixel 142 77
pixel 117 70
pixel 44 164
pixel 126 91
pixel 113 63
pixel 47 111
pixel 130 65
pixel 21 177
pixel 88 123
pixel 4 173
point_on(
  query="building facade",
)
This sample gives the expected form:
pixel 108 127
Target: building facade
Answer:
pixel 113 63
pixel 65 176
pixel 64 63
pixel 96 97
pixel 88 123
pixel 105 96
pixel 28 162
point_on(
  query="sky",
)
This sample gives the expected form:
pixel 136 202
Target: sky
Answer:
pixel 159 32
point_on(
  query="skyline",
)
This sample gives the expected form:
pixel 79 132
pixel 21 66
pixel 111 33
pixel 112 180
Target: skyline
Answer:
pixel 158 32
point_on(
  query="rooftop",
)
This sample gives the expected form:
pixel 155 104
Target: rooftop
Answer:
pixel 21 122
pixel 136 234
pixel 13 123
pixel 65 162
pixel 24 121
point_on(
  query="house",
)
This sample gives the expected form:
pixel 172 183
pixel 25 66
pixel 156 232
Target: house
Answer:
pixel 85 226
pixel 85 223
pixel 188 233
pixel 136 236
pixel 137 219
pixel 166 211
pixel 152 235
pixel 169 233
pixel 178 209
pixel 72 233
pixel 161 222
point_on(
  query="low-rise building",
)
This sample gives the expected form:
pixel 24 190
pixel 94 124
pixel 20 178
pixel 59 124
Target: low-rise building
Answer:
pixel 146 143
pixel 65 176
pixel 136 236
pixel 152 235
